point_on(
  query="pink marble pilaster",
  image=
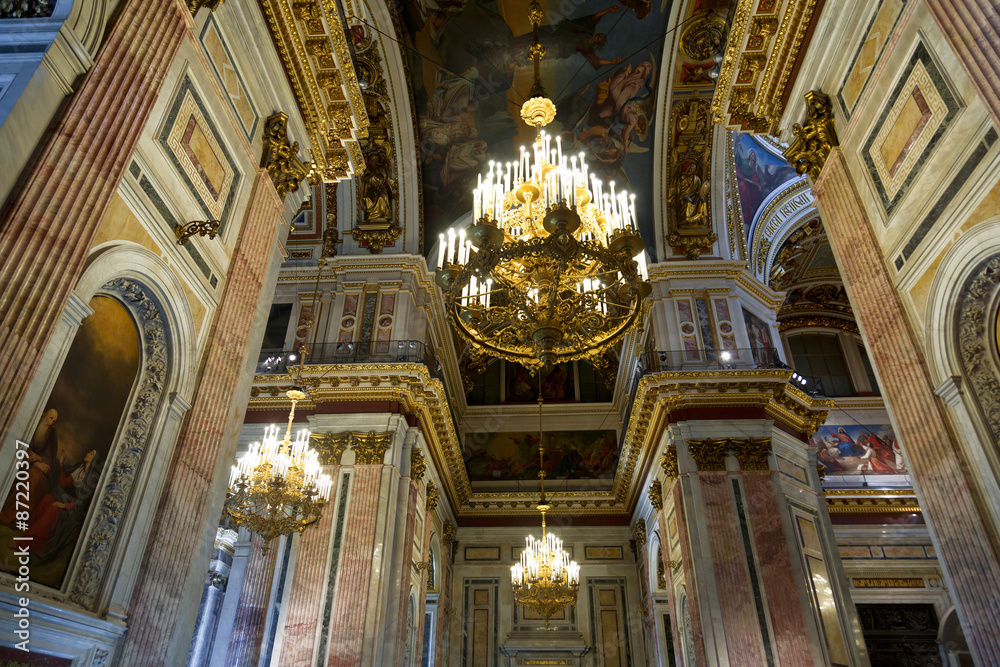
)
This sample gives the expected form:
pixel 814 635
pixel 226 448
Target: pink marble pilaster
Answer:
pixel 413 492
pixel 49 223
pixel 736 601
pixel 690 582
pixel 350 605
pixel 791 643
pixel 308 593
pixel 186 499
pixel 661 518
pixel 964 535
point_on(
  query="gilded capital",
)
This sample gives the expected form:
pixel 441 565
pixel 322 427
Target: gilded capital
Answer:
pixel 280 157
pixel 752 453
pixel 669 462
pixel 330 447
pixel 418 466
pixel 369 448
pixel 432 496
pixel 639 531
pixel 656 495
pixel 815 137
pixel 709 454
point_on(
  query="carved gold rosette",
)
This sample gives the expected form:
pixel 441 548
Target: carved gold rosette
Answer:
pixel 310 38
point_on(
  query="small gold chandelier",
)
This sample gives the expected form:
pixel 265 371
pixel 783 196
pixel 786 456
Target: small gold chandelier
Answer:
pixel 278 487
pixel 552 270
pixel 545 580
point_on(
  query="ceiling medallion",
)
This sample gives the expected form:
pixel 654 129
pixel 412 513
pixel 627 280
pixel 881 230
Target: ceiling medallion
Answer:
pixel 553 269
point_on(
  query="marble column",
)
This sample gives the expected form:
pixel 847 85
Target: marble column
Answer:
pixel 761 571
pixel 973 30
pixel 964 537
pixel 308 594
pixel 49 223
pixel 251 610
pixel 206 445
pixel 661 520
pixel 211 600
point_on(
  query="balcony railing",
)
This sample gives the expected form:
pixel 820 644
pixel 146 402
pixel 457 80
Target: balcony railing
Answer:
pixel 700 359
pixel 356 352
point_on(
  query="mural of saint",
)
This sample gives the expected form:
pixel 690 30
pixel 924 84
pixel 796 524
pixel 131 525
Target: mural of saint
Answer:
pixel 859 449
pixel 758 173
pixel 558 384
pixel 71 443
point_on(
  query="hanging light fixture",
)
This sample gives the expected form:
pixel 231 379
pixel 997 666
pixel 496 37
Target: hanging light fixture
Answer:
pixel 278 487
pixel 553 269
pixel 545 579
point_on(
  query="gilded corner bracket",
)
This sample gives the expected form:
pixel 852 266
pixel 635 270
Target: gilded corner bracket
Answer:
pixel 815 138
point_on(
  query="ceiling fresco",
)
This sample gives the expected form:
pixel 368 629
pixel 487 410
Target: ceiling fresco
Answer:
pixel 469 72
pixel 759 172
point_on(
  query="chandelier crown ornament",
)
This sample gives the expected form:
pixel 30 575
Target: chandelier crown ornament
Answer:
pixel 545 579
pixel 552 269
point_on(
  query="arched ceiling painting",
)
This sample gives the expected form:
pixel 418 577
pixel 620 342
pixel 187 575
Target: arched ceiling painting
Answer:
pixel 601 69
pixel 760 171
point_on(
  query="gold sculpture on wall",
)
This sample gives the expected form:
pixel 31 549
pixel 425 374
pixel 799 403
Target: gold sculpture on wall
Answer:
pixel 689 214
pixel 669 462
pixel 378 190
pixel 418 466
pixel 813 139
pixel 656 495
pixel 280 157
pixel 432 496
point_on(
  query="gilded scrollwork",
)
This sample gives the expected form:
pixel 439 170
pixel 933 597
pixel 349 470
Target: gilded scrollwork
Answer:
pixel 814 138
pixel 669 462
pixel 280 157
pixel 131 447
pixel 330 447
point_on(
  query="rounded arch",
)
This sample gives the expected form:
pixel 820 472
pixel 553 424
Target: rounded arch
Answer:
pixel 956 268
pixel 951 637
pixel 784 211
pixel 656 574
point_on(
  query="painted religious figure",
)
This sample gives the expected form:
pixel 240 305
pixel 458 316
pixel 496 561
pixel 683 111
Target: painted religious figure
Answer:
pixel 71 443
pixel 859 449
pixel 521 386
pixel 758 173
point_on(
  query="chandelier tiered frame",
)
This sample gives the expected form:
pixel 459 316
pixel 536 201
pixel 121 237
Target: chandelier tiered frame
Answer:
pixel 278 487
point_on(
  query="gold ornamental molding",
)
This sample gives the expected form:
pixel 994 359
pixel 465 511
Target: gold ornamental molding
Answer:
pixel 815 138
pixel 825 321
pixel 369 448
pixel 669 463
pixel 195 5
pixel 310 38
pixel 763 47
pixel 872 501
pixel 639 532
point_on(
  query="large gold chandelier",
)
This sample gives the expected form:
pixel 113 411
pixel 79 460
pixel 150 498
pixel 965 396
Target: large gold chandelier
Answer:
pixel 278 487
pixel 545 579
pixel 552 269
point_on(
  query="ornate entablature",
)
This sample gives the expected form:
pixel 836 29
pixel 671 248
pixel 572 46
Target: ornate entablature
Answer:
pixel 310 38
pixel 765 39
